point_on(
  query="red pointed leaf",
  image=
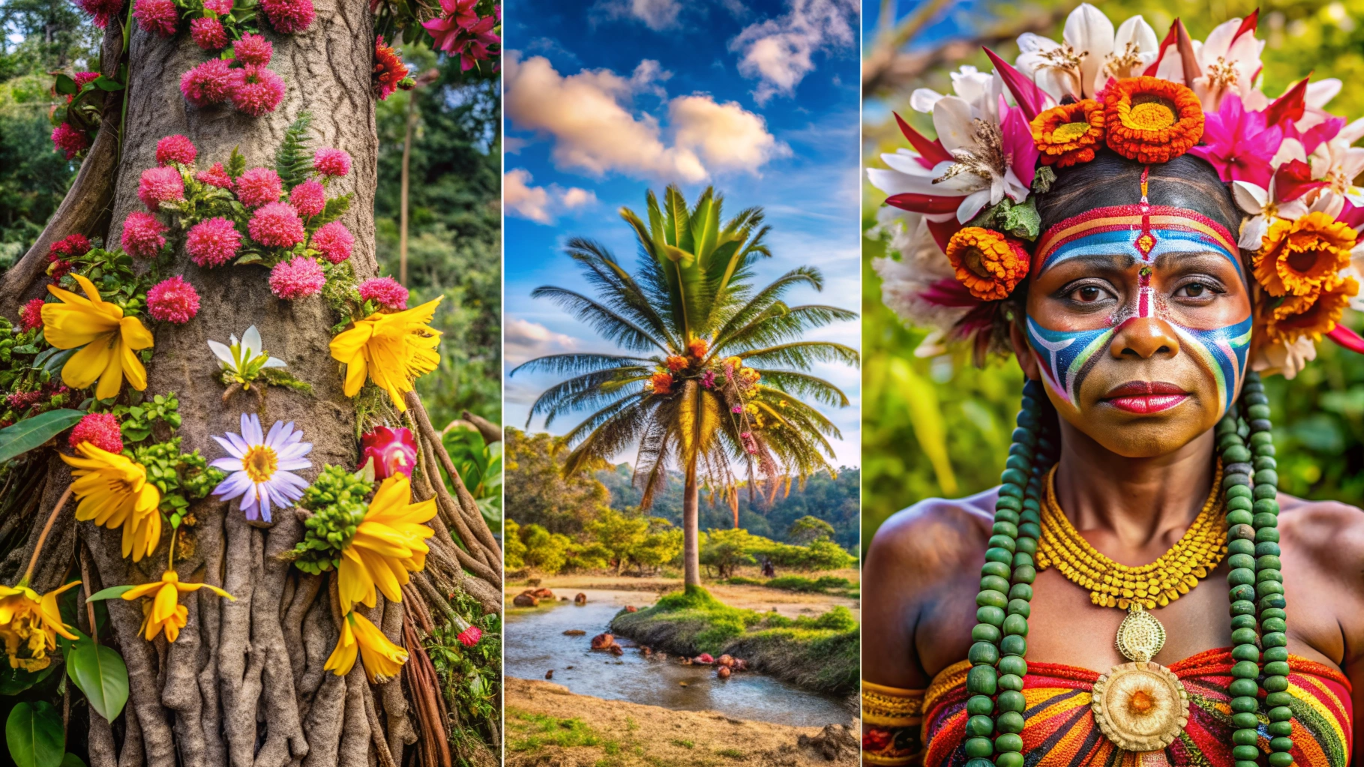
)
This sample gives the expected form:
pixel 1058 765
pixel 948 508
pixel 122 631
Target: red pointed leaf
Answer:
pixel 1293 179
pixel 931 151
pixel 930 204
pixel 1290 106
pixel 1029 97
pixel 1347 338
pixel 1247 25
pixel 1171 38
pixel 942 231
pixel 1186 52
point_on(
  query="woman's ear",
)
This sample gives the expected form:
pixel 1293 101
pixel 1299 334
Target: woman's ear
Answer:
pixel 1022 351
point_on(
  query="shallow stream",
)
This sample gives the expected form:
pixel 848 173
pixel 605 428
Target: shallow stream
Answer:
pixel 535 643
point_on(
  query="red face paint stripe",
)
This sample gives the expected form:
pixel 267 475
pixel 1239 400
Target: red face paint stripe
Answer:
pixel 1130 218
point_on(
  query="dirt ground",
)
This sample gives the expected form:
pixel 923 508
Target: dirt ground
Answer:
pixel 788 603
pixel 548 726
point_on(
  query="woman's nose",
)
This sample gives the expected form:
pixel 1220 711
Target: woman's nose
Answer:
pixel 1144 338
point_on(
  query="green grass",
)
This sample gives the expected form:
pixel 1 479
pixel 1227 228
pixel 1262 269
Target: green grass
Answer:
pixel 819 653
pixel 684 743
pixel 530 732
pixel 732 753
pixel 825 584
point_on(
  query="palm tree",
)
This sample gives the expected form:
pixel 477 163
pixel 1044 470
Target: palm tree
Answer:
pixel 715 376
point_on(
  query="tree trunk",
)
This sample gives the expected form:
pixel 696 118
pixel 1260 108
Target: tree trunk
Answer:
pixel 244 683
pixel 691 534
pixel 408 120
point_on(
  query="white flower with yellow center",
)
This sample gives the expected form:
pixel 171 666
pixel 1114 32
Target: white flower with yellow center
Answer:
pixel 261 467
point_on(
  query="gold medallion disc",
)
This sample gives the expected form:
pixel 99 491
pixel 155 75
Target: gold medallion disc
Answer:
pixel 1140 706
pixel 1140 636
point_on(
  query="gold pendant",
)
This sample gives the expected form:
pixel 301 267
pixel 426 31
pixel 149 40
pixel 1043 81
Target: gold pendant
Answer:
pixel 1140 706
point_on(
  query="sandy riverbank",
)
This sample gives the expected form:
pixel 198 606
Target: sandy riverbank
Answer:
pixel 548 725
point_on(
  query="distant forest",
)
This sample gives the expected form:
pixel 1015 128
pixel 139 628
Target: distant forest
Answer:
pixel 833 500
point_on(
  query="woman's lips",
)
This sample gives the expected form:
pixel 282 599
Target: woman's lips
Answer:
pixel 1146 396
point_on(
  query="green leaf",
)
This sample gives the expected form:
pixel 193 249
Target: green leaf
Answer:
pixel 71 760
pixel 56 361
pixel 336 208
pixel 236 164
pixel 294 158
pixel 34 735
pixel 15 680
pixel 109 593
pixel 34 432
pixel 99 672
pixel 66 86
pixel 108 84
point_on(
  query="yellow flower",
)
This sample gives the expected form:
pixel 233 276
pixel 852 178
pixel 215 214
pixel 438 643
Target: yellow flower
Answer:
pixel 114 492
pixel 392 349
pixel 29 625
pixel 388 544
pixel 164 611
pixel 383 659
pixel 111 340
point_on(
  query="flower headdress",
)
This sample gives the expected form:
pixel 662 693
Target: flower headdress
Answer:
pixel 961 216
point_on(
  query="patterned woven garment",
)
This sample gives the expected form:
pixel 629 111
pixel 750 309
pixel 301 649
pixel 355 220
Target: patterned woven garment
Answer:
pixel 1059 729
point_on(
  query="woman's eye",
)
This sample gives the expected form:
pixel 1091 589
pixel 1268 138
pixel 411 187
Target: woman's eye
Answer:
pixel 1087 294
pixel 1195 290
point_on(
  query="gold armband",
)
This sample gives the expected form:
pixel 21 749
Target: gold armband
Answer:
pixel 892 723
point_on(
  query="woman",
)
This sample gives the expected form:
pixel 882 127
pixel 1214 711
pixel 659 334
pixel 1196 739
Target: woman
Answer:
pixel 1136 591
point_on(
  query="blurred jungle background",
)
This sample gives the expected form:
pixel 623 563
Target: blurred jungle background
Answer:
pixel 941 427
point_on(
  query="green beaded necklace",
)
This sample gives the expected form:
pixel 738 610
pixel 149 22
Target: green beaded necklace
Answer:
pixel 999 638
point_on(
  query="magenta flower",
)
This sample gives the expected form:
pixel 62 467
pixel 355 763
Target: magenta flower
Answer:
pixel 309 198
pixel 213 242
pixel 253 49
pixel 159 185
pixel 470 636
pixel 394 451
pixel 460 32
pixel 208 83
pixel 215 176
pixel 708 379
pixel 298 278
pixel 277 225
pixel 384 291
pixel 175 148
pixel 69 140
pixel 1238 144
pixel 256 90
pixel 156 16
pixel 100 430
pixel 259 186
pixel 331 162
pixel 101 10
pixel 289 16
pixel 334 241
pixel 143 234
pixel 220 7
pixel 173 300
pixel 208 34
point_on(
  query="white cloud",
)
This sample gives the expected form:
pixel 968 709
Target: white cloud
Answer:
pixel 779 52
pixel 656 14
pixel 538 203
pixel 594 130
pixel 525 340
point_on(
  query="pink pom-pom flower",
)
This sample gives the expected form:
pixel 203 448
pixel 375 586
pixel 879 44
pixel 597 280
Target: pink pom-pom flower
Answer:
pixel 259 186
pixel 331 162
pixel 220 7
pixel 173 300
pixel 100 430
pixel 160 185
pixel 256 90
pixel 276 225
pixel 175 148
pixel 208 33
pixel 289 16
pixel 69 140
pixel 71 246
pixel 213 242
pixel 101 10
pixel 156 16
pixel 31 316
pixel 209 83
pixel 384 291
pixel 394 451
pixel 143 234
pixel 253 49
pixel 297 278
pixel 215 176
pixel 334 241
pixel 309 198
pixel 470 636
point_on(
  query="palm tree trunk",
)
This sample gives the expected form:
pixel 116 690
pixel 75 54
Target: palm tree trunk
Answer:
pixel 691 535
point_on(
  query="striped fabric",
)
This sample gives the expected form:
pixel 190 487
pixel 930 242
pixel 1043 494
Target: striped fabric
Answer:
pixel 1059 728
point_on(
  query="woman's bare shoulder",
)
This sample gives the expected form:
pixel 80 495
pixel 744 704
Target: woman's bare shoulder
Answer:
pixel 933 535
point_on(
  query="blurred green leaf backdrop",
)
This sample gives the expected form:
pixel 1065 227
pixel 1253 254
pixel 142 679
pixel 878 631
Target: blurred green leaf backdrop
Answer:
pixel 941 427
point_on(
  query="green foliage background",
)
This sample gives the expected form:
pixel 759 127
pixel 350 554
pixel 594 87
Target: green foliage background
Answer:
pixel 455 220
pixel 941 427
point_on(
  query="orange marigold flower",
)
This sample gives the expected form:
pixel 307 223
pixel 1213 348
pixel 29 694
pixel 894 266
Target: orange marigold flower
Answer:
pixel 1315 314
pixel 698 347
pixel 663 383
pixel 677 363
pixel 989 264
pixel 1301 256
pixel 1067 135
pixel 1151 120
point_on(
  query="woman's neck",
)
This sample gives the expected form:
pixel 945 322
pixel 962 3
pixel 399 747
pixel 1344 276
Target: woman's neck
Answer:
pixel 1130 507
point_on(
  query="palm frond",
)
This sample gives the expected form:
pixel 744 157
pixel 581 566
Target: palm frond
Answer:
pixel 609 324
pixel 577 364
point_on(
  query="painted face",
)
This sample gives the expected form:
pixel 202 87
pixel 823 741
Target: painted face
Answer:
pixel 1139 318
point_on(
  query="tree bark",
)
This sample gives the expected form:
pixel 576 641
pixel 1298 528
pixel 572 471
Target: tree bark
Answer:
pixel 691 535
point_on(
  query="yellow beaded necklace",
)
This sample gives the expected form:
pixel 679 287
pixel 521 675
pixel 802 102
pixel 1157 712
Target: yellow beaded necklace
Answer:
pixel 1111 584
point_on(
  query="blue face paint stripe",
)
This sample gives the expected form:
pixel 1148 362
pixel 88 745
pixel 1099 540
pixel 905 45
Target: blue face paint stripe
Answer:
pixel 1067 356
pixel 1123 243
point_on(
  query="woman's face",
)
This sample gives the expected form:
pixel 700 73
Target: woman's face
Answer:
pixel 1138 325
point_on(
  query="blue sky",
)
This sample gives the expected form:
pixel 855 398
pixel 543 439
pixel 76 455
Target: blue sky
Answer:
pixel 606 99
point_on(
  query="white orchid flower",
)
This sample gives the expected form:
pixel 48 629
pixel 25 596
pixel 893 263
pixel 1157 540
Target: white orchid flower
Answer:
pixel 1340 164
pixel 1135 46
pixel 244 359
pixel 978 89
pixel 1229 64
pixel 1074 67
pixel 906 280
pixel 1286 359
pixel 1265 208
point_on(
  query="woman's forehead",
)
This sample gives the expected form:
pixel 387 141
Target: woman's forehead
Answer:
pixel 1147 234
